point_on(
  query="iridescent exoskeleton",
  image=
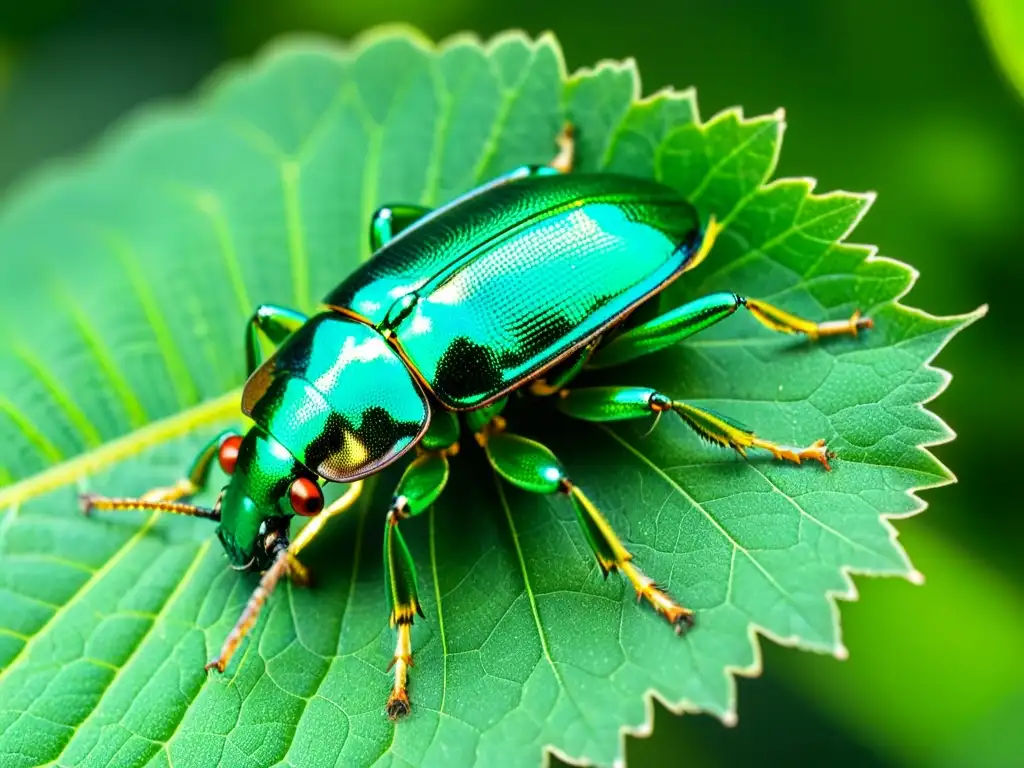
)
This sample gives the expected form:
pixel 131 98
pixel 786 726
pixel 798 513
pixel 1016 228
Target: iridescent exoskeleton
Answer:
pixel 515 287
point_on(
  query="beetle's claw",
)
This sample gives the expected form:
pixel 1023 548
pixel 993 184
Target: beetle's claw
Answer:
pixel 85 502
pixel 398 705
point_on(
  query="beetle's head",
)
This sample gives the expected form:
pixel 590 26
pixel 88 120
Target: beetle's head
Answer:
pixel 267 488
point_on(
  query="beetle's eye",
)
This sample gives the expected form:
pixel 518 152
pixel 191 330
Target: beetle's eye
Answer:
pixel 306 497
pixel 228 455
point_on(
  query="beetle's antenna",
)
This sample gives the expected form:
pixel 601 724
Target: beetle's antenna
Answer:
pixel 90 501
pixel 279 567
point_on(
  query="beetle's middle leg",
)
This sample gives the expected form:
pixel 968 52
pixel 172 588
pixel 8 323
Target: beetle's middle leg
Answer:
pixel 422 482
pixel 531 466
pixel 622 403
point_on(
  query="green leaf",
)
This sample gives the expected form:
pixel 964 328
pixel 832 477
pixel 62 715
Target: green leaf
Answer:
pixel 1002 21
pixel 126 280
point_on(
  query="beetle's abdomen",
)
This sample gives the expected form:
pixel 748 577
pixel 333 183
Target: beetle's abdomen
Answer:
pixel 526 298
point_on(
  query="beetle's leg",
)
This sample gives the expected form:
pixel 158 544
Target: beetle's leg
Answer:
pixel 389 220
pixel 532 467
pixel 677 324
pixel 423 481
pixel 442 434
pixel 565 159
pixel 561 374
pixel 161 498
pixel 284 562
pixel 620 403
pixel 273 322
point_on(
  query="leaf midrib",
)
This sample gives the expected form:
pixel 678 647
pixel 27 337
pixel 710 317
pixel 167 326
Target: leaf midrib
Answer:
pixel 129 445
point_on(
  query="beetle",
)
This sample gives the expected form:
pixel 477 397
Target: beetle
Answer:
pixel 513 288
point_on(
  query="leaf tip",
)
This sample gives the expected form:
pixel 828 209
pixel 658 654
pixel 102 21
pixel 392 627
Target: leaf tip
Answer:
pixel 869 197
pixel 841 652
pixel 915 577
pixel 729 719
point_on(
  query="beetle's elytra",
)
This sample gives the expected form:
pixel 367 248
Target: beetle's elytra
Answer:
pixel 519 285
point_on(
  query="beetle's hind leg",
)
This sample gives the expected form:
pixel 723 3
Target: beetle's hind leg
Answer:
pixel 621 403
pixel 698 315
pixel 532 467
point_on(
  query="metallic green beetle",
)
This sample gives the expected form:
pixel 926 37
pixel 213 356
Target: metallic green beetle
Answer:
pixel 516 286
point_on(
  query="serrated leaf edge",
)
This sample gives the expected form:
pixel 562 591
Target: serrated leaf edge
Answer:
pixel 956 324
pixel 224 406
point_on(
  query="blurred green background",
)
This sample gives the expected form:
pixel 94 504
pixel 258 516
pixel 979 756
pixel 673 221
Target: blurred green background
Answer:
pixel 903 97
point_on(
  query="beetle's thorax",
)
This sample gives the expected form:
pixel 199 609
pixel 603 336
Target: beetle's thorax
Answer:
pixel 339 398
pixel 255 501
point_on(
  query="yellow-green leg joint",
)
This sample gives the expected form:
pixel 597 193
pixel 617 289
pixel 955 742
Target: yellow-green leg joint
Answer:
pixel 532 467
pixel 421 484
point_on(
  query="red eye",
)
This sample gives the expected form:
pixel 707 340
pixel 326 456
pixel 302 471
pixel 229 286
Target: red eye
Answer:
pixel 228 455
pixel 306 497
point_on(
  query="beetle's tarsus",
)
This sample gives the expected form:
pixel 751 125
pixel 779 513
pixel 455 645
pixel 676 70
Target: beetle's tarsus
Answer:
pixel 678 617
pixel 613 556
pixel 816 451
pixel 779 320
pixel 398 705
pixel 180 490
pixel 398 702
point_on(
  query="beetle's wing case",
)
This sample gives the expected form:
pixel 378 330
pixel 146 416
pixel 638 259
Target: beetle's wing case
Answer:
pixel 429 245
pixel 338 397
pixel 518 276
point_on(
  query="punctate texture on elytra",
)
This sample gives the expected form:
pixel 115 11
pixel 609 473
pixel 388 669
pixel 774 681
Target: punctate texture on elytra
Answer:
pixel 128 356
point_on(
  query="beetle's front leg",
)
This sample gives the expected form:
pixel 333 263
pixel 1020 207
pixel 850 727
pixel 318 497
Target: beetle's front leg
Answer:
pixel 284 562
pixel 389 220
pixel 695 316
pixel 423 481
pixel 622 403
pixel 532 467
pixel 273 322
pixel 224 446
